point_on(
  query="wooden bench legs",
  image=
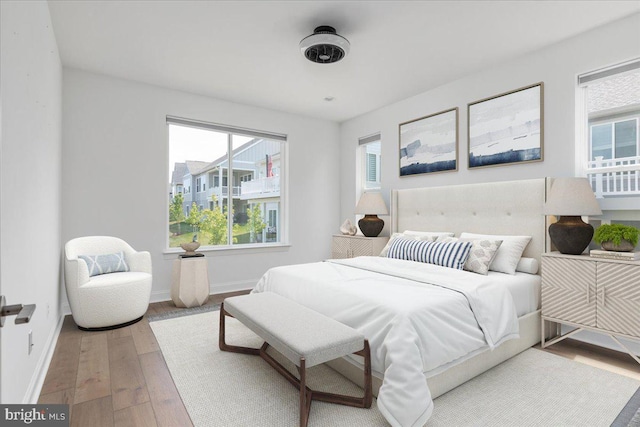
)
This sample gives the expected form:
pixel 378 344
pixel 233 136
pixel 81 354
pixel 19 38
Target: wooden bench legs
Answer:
pixel 306 394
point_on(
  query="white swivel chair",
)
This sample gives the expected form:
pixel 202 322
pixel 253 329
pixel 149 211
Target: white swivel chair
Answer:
pixel 111 300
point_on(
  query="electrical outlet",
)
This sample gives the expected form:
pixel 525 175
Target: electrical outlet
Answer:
pixel 30 341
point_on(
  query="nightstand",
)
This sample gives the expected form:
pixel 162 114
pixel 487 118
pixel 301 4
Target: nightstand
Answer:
pixel 344 246
pixel 592 294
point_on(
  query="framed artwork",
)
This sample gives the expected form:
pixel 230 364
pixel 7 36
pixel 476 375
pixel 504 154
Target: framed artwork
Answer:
pixel 429 144
pixel 507 128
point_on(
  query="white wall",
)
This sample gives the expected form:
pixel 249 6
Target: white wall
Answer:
pixel 31 82
pixel 115 163
pixel 557 66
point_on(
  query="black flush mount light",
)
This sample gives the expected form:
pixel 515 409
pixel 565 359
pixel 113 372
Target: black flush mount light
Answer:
pixel 324 46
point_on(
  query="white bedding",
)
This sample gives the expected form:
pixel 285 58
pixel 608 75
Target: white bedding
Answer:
pixel 417 317
pixel 524 289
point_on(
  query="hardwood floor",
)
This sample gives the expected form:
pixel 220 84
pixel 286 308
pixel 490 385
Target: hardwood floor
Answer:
pixel 116 378
pixel 119 378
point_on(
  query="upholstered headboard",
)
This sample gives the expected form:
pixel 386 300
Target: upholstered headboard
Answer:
pixel 511 207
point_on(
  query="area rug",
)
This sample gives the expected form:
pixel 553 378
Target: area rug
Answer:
pixel 535 388
pixel 181 312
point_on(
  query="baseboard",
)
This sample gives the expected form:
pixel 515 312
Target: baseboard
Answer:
pixel 222 288
pixel 37 380
pixel 165 295
pixel 217 288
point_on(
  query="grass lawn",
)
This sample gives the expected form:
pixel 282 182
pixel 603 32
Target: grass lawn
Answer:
pixel 241 234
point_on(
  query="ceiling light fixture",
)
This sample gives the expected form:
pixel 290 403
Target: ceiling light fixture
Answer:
pixel 324 46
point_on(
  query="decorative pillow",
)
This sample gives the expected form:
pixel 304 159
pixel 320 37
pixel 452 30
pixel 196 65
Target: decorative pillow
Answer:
pixel 385 250
pixel 527 265
pixel 434 234
pixel 103 264
pixel 452 255
pixel 481 254
pixel 509 253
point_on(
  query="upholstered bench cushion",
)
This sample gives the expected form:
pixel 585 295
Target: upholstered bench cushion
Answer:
pixel 294 330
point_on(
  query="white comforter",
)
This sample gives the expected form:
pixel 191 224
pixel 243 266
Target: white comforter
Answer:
pixel 417 317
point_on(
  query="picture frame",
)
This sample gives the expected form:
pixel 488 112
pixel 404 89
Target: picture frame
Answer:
pixel 429 144
pixel 507 128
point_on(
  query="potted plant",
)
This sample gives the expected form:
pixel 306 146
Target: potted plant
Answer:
pixel 617 237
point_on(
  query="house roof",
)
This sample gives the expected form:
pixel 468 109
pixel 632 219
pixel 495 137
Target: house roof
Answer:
pixel 194 167
pixel 179 169
pixel 222 159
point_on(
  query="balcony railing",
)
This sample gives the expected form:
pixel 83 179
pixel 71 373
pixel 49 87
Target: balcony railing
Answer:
pixel 223 191
pixel 261 186
pixel 614 177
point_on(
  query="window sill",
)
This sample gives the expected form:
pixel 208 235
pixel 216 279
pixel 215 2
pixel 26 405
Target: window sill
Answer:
pixel 231 250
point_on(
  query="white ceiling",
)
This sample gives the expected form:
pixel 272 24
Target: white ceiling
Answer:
pixel 247 51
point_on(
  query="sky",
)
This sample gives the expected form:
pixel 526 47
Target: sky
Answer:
pixel 187 143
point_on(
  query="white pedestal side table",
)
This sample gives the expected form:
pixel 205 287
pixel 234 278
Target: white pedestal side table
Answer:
pixel 189 281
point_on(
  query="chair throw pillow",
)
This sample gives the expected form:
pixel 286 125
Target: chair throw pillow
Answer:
pixel 452 255
pixel 103 264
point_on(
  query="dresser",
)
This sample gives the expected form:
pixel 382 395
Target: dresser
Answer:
pixel 595 294
pixel 343 246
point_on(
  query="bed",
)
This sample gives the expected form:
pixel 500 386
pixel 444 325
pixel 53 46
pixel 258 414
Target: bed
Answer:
pixel 480 321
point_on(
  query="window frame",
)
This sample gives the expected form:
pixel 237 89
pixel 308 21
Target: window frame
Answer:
pixel 582 123
pixel 284 186
pixel 363 163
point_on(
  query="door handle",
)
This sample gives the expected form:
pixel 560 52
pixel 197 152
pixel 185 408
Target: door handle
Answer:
pixel 23 313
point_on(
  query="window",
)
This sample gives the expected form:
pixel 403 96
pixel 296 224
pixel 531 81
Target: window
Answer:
pixel 611 119
pixel 243 203
pixel 370 153
pixel 614 140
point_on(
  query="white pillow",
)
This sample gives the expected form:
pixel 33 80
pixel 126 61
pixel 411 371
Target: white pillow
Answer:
pixel 427 233
pixel 394 236
pixel 509 253
pixel 527 265
pixel 481 255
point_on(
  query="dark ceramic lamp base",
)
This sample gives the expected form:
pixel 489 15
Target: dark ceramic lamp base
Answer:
pixel 371 225
pixel 571 235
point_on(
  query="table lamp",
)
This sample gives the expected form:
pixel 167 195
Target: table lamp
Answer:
pixel 569 199
pixel 371 204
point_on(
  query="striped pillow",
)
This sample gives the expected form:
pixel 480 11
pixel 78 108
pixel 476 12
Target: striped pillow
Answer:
pixel 452 255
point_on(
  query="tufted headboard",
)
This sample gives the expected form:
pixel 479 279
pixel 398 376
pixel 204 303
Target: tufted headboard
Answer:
pixel 508 207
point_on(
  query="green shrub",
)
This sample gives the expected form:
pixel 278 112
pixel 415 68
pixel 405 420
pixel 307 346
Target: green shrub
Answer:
pixel 615 233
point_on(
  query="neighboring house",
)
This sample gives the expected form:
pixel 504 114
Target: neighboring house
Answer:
pixel 613 106
pixel 177 185
pixel 255 180
pixel 188 181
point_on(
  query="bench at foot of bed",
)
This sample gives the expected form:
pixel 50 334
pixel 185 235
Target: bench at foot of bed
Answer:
pixel 305 337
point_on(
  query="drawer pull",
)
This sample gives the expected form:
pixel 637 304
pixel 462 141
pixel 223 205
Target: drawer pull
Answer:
pixel 588 289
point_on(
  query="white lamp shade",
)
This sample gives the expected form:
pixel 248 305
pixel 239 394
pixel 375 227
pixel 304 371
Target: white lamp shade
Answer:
pixel 571 197
pixel 371 203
